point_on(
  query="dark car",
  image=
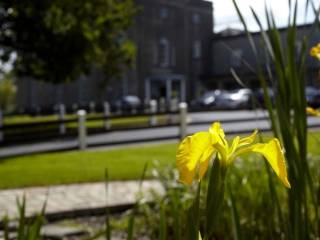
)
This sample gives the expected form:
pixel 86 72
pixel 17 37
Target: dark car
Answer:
pixel 260 97
pixel 207 100
pixel 235 99
pixel 313 97
pixel 126 104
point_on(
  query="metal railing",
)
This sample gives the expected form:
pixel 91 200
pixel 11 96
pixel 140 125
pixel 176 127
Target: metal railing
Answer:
pixel 68 127
pixel 82 125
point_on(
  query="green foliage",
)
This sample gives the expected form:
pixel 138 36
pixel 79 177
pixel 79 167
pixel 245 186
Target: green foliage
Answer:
pixel 28 229
pixel 193 217
pixel 249 208
pixel 8 92
pixel 235 215
pixel 288 117
pixel 57 41
pixel 215 196
pixel 166 217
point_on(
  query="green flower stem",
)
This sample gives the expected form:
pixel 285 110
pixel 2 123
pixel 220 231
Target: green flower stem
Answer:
pixel 215 195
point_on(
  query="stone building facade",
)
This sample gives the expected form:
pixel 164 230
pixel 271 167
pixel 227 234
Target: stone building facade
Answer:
pixel 173 39
pixel 233 51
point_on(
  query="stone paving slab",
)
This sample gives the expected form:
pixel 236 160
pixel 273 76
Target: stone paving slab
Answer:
pixel 52 231
pixel 65 198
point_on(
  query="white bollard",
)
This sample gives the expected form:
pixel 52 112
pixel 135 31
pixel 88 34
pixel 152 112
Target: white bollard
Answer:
pixel 153 110
pixel 162 105
pixel 61 117
pixel 183 108
pixel 1 125
pixel 106 113
pixel 82 131
pixel 174 105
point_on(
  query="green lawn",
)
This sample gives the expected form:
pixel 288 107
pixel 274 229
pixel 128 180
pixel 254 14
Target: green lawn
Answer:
pixel 72 167
pixel 75 166
pixel 30 119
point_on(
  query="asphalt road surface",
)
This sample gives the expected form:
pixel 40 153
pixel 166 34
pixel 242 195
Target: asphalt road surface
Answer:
pixel 233 122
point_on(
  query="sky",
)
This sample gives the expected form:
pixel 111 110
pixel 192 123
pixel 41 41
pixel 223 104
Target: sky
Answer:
pixel 226 16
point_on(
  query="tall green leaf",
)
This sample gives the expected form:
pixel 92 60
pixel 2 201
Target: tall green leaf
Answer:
pixel 215 196
pixel 235 216
pixel 193 217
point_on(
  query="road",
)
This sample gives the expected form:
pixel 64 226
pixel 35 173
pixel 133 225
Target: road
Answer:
pixel 246 122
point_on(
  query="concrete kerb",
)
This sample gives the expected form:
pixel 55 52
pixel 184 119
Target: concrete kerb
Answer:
pixel 78 213
pixel 53 217
pixel 78 200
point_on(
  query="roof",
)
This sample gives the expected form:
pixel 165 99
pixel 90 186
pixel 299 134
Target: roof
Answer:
pixel 218 36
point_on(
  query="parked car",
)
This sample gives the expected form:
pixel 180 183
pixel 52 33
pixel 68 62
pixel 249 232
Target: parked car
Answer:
pixel 207 100
pixel 313 96
pixel 260 98
pixel 127 103
pixel 234 99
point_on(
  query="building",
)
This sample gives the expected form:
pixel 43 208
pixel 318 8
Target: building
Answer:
pixel 233 51
pixel 173 39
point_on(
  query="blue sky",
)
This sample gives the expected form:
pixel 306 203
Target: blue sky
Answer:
pixel 225 15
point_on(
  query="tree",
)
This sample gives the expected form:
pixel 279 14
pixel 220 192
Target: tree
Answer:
pixel 8 92
pixel 58 40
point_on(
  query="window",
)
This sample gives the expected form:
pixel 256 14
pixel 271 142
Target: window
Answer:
pixel 164 12
pixel 236 57
pixel 196 18
pixel 164 52
pixel 196 51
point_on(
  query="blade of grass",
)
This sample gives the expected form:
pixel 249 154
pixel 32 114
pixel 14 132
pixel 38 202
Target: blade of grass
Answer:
pixel 5 222
pixel 108 229
pixel 22 219
pixel 163 223
pixel 130 228
pixel 235 215
pixel 131 221
pixel 177 225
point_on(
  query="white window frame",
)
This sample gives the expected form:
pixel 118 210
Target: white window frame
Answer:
pixel 164 52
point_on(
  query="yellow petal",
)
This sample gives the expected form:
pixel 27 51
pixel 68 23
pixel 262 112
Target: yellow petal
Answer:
pixel 313 51
pixel 248 140
pixel 274 155
pixel 241 145
pixel 234 145
pixel 218 134
pixel 313 111
pixel 193 155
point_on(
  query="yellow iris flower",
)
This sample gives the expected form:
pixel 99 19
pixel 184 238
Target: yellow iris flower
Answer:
pixel 195 152
pixel 313 111
pixel 315 51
